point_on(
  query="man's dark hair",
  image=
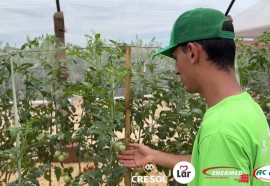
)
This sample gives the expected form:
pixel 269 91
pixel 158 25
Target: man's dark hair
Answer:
pixel 221 51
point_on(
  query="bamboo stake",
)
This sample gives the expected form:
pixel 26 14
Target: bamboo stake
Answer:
pixel 127 110
pixel 16 119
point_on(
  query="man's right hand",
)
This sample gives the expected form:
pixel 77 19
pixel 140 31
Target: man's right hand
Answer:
pixel 139 154
pixel 136 156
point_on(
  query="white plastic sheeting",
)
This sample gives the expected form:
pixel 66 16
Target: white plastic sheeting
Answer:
pixel 254 20
pixel 119 20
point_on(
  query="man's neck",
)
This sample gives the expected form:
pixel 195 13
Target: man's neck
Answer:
pixel 218 86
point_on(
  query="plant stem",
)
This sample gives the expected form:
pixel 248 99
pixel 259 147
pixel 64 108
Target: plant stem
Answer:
pixel 79 158
pixel 80 153
pixel 50 162
pixel 16 119
pixel 112 115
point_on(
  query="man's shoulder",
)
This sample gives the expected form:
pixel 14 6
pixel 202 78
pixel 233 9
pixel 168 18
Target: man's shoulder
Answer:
pixel 246 106
pixel 242 120
pixel 235 112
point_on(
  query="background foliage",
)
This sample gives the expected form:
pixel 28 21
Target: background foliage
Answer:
pixel 254 68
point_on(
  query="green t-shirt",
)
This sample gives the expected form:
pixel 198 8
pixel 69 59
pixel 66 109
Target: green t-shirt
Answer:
pixel 234 136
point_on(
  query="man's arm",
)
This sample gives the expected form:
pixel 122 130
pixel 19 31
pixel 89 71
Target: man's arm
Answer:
pixel 141 153
pixel 169 160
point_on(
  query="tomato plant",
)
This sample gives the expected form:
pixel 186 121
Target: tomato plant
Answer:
pixel 254 69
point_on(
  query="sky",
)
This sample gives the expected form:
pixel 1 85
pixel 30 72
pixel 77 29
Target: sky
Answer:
pixel 119 20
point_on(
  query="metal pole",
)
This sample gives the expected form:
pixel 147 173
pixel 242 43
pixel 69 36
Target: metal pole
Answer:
pixel 229 8
pixel 58 6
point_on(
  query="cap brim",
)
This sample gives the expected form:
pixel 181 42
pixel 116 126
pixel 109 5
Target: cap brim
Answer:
pixel 167 51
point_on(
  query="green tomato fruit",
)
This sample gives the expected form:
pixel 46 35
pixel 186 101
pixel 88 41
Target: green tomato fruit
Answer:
pixel 61 158
pixel 268 105
pixel 117 145
pixel 185 130
pixel 139 170
pixel 71 169
pixel 57 153
pixel 179 129
pixel 65 154
pixel 122 148
pixel 67 179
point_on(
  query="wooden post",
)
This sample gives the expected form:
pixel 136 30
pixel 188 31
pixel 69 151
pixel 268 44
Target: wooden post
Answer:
pixel 127 110
pixel 59 29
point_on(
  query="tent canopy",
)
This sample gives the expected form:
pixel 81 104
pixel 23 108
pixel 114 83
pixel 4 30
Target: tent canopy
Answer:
pixel 253 21
pixel 120 20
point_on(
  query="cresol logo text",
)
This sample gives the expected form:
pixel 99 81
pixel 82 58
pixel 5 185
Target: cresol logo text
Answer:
pixel 262 173
pixel 149 168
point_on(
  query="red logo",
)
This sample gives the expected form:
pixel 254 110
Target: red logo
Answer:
pixel 262 173
pixel 183 167
pixel 244 178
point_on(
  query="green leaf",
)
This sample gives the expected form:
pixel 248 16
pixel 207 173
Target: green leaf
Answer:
pixel 197 111
pixel 118 171
pixel 14 183
pixel 47 176
pixel 24 46
pixel 57 172
pixel 97 36
pixel 97 159
pixel 112 41
pixel 61 135
pixel 94 183
pixel 151 67
pixel 13 132
pixel 93 173
pixel 25 66
pixel 40 136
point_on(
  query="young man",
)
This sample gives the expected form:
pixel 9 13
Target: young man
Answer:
pixel 234 132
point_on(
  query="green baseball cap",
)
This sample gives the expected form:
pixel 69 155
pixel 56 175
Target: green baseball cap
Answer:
pixel 194 25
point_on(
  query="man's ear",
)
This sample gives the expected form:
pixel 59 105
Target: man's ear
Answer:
pixel 194 52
